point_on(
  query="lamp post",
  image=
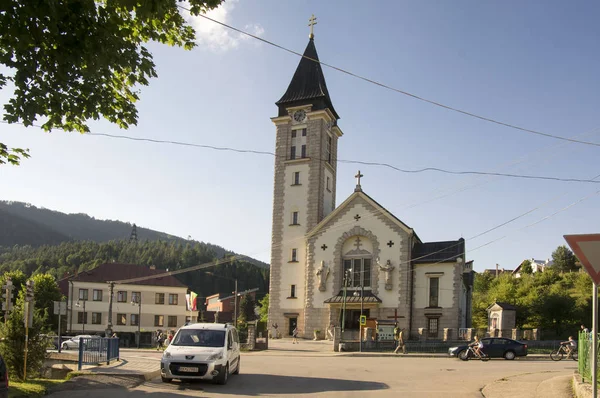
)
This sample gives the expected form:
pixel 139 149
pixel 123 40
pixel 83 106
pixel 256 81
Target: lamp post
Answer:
pixel 362 300
pixel 78 304
pixel 347 276
pixel 138 301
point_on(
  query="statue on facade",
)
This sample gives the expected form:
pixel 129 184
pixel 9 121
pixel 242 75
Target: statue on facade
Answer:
pixel 387 268
pixel 323 273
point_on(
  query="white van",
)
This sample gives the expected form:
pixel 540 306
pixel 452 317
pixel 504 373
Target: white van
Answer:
pixel 208 351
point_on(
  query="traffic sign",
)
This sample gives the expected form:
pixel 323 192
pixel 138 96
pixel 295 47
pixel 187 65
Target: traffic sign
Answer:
pixel 587 249
pixel 60 308
pixel 363 320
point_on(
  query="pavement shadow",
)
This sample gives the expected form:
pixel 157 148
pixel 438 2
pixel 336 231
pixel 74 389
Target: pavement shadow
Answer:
pixel 261 384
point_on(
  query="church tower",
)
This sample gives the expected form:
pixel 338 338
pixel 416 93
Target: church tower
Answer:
pixel 305 183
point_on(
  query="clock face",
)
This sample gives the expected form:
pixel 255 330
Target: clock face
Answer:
pixel 299 116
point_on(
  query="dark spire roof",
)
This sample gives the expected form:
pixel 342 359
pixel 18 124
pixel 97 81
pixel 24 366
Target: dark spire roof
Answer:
pixel 307 85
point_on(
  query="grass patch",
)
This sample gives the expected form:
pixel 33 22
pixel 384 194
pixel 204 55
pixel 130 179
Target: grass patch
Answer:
pixel 32 388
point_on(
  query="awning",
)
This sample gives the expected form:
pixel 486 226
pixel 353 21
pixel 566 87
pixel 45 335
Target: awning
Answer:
pixel 368 298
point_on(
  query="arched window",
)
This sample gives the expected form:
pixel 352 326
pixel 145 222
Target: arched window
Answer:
pixel 357 261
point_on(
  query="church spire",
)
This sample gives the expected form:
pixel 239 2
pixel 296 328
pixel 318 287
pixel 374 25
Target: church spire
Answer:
pixel 308 84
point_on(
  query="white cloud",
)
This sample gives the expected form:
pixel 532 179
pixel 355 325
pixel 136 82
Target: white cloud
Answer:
pixel 217 37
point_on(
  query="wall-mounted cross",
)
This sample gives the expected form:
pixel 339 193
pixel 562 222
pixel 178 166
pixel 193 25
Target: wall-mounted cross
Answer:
pixel 357 217
pixel 390 243
pixel 324 247
pixel 357 244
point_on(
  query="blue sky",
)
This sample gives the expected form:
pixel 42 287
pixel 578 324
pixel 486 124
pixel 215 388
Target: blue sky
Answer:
pixel 534 64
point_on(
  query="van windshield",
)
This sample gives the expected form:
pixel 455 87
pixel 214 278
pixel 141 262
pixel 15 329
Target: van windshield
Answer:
pixel 199 338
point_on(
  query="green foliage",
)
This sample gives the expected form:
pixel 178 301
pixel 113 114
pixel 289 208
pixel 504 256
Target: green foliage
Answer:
pixel 69 258
pixel 72 61
pixel 247 305
pixel 526 267
pixel 264 309
pixel 12 342
pixel 548 300
pixel 564 259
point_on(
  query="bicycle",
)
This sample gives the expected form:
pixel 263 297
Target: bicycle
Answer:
pixel 470 353
pixel 562 351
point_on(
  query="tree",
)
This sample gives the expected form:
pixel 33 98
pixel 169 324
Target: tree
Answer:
pixel 526 267
pixel 46 292
pixel 264 309
pixel 564 259
pixel 71 61
pixel 247 305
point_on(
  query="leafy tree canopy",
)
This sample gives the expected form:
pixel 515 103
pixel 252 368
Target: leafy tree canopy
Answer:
pixel 564 259
pixel 526 267
pixel 70 61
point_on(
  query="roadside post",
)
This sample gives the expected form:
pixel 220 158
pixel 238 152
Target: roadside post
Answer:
pixel 60 309
pixel 587 249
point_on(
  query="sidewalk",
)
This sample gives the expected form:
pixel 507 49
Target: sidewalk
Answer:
pixel 531 385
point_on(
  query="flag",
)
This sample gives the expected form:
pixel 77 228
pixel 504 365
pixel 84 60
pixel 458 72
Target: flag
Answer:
pixel 187 302
pixel 191 301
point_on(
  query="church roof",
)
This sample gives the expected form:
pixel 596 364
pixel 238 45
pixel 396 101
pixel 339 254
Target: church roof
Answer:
pixel 504 306
pixel 308 84
pixel 438 252
pixel 368 297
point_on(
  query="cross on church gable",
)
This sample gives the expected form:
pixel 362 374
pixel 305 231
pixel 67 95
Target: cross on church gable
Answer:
pixel 357 244
pixel 324 247
pixel 357 217
pixel 390 243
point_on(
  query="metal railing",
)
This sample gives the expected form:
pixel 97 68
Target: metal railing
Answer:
pixel 93 350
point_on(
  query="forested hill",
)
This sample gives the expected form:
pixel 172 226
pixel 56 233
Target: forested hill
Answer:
pixel 24 224
pixel 69 258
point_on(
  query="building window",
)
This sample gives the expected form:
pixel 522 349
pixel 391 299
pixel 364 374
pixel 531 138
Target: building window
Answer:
pixel 293 133
pixel 121 297
pixel 296 178
pixel 83 294
pixel 135 320
pixel 303 155
pixel 159 298
pixel 82 317
pixel 173 299
pixel 96 318
pixel 121 319
pixel 328 149
pixel 97 295
pixel 303 132
pixel 159 320
pixel 358 272
pixel 292 291
pixel 294 256
pixel 293 152
pixel 295 218
pixel 328 185
pixel 434 291
pixel 172 321
pixel 136 297
pixel 432 327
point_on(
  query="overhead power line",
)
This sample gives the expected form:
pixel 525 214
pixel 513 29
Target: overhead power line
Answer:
pixel 417 97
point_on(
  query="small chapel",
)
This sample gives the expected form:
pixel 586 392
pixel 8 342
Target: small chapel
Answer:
pixel 328 263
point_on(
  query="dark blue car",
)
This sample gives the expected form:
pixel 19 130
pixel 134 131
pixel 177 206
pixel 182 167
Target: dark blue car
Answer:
pixel 494 347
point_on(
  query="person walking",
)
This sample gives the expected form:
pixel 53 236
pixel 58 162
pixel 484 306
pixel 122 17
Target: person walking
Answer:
pixel 399 337
pixel 295 335
pixel 160 340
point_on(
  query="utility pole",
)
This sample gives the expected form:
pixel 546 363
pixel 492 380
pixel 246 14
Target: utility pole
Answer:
pixel 235 312
pixel 111 288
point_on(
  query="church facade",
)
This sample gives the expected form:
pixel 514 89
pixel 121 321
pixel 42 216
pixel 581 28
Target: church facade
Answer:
pixel 326 261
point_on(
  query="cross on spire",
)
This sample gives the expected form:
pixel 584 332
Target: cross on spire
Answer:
pixel 358 176
pixel 312 21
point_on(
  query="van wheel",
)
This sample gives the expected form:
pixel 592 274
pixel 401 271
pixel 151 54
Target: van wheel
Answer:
pixel 165 379
pixel 223 377
pixel 237 370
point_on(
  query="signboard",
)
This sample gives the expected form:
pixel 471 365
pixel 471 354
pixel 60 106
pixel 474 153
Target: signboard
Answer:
pixel 60 308
pixel 385 332
pixel 363 320
pixel 587 249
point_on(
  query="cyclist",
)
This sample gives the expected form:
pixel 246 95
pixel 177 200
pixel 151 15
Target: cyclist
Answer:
pixel 477 347
pixel 570 345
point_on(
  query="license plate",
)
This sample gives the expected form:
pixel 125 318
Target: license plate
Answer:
pixel 188 369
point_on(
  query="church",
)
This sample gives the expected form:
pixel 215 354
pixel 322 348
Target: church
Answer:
pixel 328 262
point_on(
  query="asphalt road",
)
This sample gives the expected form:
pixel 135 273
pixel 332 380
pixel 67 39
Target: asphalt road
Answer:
pixel 291 376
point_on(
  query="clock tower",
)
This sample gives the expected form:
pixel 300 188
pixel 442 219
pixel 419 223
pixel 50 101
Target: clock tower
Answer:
pixel 306 143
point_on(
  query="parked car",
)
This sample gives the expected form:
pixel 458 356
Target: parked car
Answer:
pixel 209 351
pixel 73 343
pixel 3 379
pixel 494 347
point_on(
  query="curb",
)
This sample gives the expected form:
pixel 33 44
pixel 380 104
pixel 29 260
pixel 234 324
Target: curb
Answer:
pixel 134 375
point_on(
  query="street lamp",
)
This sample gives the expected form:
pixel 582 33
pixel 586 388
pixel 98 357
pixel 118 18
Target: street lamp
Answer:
pixel 347 276
pixel 78 304
pixel 137 300
pixel 362 296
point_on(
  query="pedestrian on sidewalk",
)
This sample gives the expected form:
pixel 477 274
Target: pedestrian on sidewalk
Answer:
pixel 295 335
pixel 584 329
pixel 160 340
pixel 399 337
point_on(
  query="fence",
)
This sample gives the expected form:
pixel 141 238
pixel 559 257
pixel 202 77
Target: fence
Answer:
pixel 93 350
pixel 585 356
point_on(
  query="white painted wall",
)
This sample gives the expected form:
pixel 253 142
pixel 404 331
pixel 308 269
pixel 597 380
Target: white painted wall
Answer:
pixel 446 285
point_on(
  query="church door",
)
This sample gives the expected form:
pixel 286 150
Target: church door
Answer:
pixel 293 324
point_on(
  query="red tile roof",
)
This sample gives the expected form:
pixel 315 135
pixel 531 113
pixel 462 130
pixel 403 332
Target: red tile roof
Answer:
pixel 118 272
